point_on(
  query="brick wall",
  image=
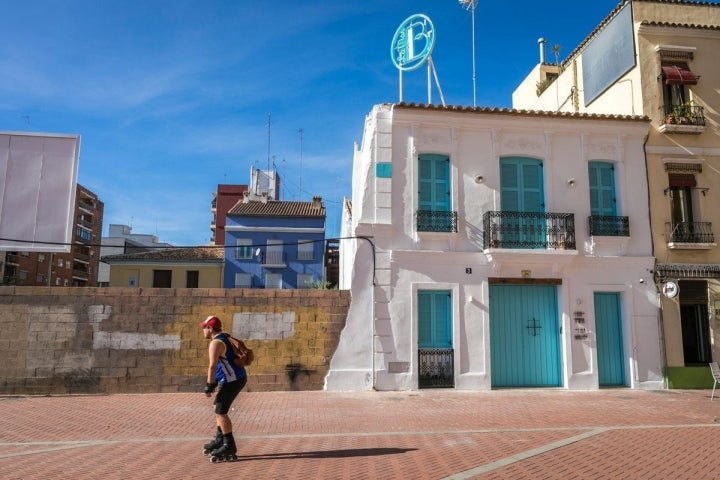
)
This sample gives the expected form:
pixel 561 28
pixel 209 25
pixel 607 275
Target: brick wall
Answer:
pixel 56 340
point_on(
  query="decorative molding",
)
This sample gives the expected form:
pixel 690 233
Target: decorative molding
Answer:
pixel 522 144
pixel 605 149
pixel 682 167
pixel 434 139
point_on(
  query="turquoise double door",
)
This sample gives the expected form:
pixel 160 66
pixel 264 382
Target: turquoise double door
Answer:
pixel 524 336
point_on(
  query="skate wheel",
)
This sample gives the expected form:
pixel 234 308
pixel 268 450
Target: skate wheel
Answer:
pixel 214 459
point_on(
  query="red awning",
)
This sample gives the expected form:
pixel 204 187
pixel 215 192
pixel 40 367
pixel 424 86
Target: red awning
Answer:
pixel 678 75
pixel 682 180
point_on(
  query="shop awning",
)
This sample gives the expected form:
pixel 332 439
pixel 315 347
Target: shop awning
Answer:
pixel 678 75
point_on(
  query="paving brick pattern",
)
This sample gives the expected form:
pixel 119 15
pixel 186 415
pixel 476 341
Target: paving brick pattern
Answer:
pixel 432 434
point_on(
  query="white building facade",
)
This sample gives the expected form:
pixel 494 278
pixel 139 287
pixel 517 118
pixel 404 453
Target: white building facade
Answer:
pixel 498 248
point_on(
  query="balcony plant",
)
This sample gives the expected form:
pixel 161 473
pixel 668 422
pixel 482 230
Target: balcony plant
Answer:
pixel 680 113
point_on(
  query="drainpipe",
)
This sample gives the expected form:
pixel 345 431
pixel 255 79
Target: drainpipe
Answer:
pixel 372 313
pixel 661 328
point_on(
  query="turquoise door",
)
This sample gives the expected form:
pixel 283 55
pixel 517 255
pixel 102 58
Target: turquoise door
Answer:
pixel 435 349
pixel 608 331
pixel 521 190
pixel 524 336
pixel 434 193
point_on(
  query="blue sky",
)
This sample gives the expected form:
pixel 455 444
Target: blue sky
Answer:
pixel 172 97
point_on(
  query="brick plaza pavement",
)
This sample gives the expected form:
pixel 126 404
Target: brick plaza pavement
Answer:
pixel 431 434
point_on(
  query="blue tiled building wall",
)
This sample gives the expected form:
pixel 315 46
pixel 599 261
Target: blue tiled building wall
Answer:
pixel 254 265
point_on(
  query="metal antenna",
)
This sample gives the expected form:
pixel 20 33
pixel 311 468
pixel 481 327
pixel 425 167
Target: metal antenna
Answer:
pixel 300 133
pixel 268 152
pixel 471 5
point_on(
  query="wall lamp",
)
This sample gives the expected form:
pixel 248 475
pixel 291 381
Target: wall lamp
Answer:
pixel 479 179
pixel 571 183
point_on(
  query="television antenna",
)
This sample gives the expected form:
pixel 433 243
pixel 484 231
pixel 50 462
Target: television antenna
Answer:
pixel 470 5
pixel 300 134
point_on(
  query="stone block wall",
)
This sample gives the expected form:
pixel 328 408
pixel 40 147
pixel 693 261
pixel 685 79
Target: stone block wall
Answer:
pixel 58 340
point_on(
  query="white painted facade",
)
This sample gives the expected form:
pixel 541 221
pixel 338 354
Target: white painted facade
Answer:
pixel 389 261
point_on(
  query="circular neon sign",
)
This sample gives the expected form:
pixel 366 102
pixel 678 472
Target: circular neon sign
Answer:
pixel 413 42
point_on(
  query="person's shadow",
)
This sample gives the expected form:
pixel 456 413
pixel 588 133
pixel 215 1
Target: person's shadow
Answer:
pixel 350 452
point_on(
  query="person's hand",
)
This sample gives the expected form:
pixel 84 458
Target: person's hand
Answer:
pixel 209 389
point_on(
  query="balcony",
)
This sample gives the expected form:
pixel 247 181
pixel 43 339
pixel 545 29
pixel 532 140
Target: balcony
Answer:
pixel 689 236
pixel 85 206
pixel 529 230
pixel 80 273
pixel 608 226
pixel 683 118
pixel 434 221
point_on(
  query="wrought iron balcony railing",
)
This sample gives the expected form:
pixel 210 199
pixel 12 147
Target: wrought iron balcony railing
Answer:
pixel 689 232
pixel 609 226
pixel 432 221
pixel 528 230
pixel 685 115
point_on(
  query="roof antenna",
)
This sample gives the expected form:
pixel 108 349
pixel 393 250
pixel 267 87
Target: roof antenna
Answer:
pixel 268 152
pixel 300 132
pixel 471 5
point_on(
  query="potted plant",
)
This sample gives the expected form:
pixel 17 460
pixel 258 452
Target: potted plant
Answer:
pixel 682 113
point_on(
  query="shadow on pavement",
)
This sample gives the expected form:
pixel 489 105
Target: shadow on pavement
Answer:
pixel 350 452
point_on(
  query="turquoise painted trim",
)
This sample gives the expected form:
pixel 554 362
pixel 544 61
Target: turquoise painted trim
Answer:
pixel 383 170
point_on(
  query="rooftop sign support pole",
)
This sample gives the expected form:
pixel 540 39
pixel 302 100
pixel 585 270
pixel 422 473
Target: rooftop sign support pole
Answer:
pixel 431 65
pixel 471 5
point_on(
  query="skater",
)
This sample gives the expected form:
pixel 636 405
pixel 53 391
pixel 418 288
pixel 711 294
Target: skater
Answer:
pixel 231 378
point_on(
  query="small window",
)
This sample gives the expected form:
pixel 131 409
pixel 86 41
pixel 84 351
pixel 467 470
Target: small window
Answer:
pixel 162 278
pixel 243 280
pixel 304 280
pixel 41 257
pixel 23 274
pixel 243 249
pixel 273 280
pixel 306 250
pixel 192 279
